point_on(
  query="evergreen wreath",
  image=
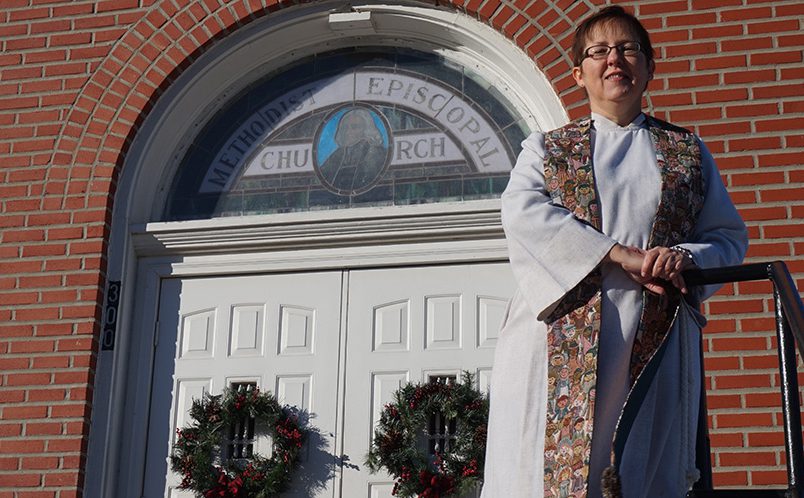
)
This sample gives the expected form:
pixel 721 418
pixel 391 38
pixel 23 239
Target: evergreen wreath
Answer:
pixel 198 446
pixel 396 447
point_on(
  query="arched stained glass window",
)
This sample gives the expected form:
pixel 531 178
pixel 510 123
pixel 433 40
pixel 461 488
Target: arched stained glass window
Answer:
pixel 368 126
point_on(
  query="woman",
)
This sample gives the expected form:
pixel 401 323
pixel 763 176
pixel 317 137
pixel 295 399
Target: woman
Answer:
pixel 596 377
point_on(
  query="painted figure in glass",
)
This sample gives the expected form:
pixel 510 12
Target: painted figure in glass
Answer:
pixel 361 153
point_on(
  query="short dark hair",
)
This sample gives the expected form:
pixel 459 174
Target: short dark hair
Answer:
pixel 610 14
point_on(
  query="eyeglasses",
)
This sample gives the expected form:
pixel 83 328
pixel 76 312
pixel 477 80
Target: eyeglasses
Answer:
pixel 599 52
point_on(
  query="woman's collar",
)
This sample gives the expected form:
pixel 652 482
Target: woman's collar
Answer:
pixel 602 123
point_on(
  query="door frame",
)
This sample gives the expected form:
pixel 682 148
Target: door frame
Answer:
pixel 433 234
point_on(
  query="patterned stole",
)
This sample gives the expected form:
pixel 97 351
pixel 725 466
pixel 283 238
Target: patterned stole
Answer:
pixel 574 325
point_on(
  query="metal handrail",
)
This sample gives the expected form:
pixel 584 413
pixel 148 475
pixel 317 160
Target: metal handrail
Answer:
pixel 789 313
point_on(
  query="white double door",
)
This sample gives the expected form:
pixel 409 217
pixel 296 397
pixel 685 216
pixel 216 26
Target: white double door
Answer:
pixel 335 344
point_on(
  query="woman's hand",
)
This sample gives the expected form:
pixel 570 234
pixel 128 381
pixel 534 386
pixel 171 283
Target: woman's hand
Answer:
pixel 646 267
pixel 667 264
pixel 630 259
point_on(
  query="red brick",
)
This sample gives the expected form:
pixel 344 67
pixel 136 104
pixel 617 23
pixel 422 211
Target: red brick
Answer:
pixel 40 281
pixel 768 477
pixel 758 143
pixel 793 107
pixel 723 95
pixel 763 400
pixel 691 19
pixel 720 325
pixel 774 27
pixel 746 44
pixel 721 401
pixel 763 178
pixel 758 439
pixel 774 58
pixel 35 395
pixel 14 364
pixel 26 43
pixel 775 91
pixel 721 363
pixel 669 36
pixel 43 429
pixel 10 446
pixel 18 298
pixel 9 463
pixel 768 250
pixel 764 214
pixel 744 459
pixel 18 480
pixel 63 264
pixel 68 411
pixel 735 306
pixel 743 420
pixel 40 463
pixel 746 14
pixel 752 76
pixel 662 8
pixel 721 62
pixel 72 377
pixel 700 80
pixel 72 9
pixel 790 194
pixel 791 40
pixel 30 346
pixel 741 380
pixel 64 445
pixel 755 287
pixel 24 412
pixel 725 440
pixel 736 478
pixel 15 330
pixel 10 430
pixel 695 115
pixel 793 9
pixel 80 394
pixel 763 362
pixel 70 39
pixel 735 344
pixel 783 231
pixel 63 478
pixel 44 250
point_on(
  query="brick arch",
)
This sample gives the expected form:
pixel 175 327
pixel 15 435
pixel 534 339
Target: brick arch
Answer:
pixel 150 55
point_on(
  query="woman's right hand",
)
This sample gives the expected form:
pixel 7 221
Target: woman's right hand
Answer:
pixel 631 259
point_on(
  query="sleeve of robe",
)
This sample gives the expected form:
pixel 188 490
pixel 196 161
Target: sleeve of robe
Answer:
pixel 720 237
pixel 550 250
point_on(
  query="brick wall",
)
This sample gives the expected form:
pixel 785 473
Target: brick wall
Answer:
pixel 77 78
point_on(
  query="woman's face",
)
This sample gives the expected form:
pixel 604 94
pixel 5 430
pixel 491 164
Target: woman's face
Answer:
pixel 614 84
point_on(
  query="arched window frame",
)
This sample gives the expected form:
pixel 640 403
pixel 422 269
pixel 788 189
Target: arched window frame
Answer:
pixel 235 62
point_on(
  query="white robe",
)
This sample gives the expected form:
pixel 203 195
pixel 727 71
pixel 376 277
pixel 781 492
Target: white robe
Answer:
pixel 551 252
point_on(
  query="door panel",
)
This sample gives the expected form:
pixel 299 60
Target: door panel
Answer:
pixel 284 333
pixel 279 331
pixel 410 325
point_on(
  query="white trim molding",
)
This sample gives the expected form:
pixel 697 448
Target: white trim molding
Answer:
pixel 348 228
